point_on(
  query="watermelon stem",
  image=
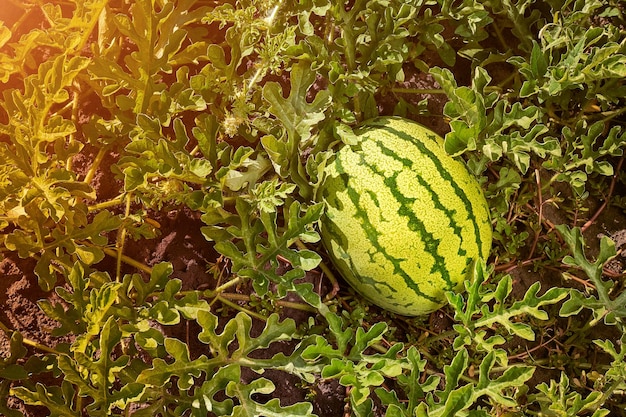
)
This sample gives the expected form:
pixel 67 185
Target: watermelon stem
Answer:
pixel 539 215
pixel 405 90
pixel 230 298
pixel 9 332
pixel 607 198
pixel 418 90
pixel 225 300
pixel 124 258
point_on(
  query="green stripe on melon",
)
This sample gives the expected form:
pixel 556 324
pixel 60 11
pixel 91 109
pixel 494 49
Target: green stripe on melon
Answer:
pixel 404 221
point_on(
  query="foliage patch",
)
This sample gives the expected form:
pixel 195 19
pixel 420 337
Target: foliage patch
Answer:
pixel 227 112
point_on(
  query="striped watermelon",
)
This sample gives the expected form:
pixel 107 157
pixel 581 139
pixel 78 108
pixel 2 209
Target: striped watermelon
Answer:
pixel 404 221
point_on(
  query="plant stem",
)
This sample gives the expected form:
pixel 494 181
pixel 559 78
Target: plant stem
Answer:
pixel 121 238
pixel 227 285
pixel 608 392
pixel 128 260
pixel 106 204
pixel 29 342
pixel 236 306
pixel 326 270
pixel 72 138
pixel 539 214
pixel 417 90
pixel 281 303
pixel 95 165
pixel 612 114
pixel 297 306
pixel 608 197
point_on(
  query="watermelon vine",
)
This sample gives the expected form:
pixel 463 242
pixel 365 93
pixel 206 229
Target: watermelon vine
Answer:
pixel 189 187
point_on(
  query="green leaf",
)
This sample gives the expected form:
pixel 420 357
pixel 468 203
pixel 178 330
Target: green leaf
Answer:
pixel 159 277
pixel 617 372
pixel 245 169
pixel 9 367
pixel 453 373
pixel 457 400
pixel 605 306
pixel 515 376
pixel 274 245
pixel 278 152
pixel 239 329
pixel 58 401
pixel 297 115
pixel 104 369
pixel 414 386
pixel 97 313
pixel 236 332
pixel 476 314
pixel 133 179
pixel 205 133
pixel 538 62
pixel 556 398
pixel 272 408
pixel 529 305
pixel 182 367
pixel 454 399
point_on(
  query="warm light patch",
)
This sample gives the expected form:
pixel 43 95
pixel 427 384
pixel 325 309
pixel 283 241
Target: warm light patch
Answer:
pixel 12 11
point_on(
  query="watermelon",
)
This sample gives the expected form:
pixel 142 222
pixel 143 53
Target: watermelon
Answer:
pixel 404 221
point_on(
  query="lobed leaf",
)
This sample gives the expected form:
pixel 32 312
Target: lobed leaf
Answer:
pixel 475 314
pixel 604 306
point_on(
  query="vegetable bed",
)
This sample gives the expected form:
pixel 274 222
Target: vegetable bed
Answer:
pixel 160 248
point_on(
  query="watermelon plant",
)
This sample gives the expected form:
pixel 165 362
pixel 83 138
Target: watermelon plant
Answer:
pixel 182 212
